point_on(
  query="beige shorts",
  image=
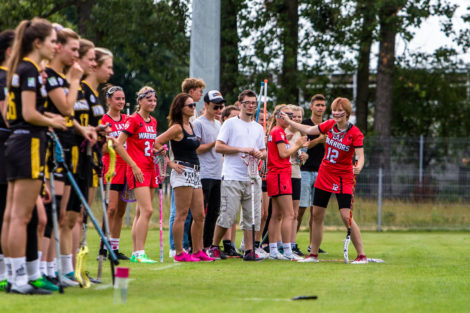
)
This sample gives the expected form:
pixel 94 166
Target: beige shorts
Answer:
pixel 232 194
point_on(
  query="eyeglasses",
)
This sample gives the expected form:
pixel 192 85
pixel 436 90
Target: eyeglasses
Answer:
pixel 191 105
pixel 253 103
pixel 112 90
pixel 218 107
pixel 147 94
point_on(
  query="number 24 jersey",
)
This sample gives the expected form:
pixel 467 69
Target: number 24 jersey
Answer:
pixel 141 139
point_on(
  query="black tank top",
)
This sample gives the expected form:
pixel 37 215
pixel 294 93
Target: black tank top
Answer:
pixel 185 149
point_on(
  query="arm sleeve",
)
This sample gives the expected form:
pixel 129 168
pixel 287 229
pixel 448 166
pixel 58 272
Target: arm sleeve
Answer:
pixel 326 126
pixel 278 136
pixel 29 79
pixel 358 140
pixel 197 127
pixel 224 133
pixel 51 81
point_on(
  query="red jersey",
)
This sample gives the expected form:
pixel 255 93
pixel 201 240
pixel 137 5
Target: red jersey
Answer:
pixel 277 165
pixel 141 139
pixel 336 170
pixel 116 129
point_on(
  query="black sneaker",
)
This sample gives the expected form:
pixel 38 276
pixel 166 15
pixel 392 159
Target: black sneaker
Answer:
pixel 120 255
pixel 297 251
pixel 251 256
pixel 29 289
pixel 320 250
pixel 232 253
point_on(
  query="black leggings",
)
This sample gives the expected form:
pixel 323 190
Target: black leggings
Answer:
pixel 322 197
pixel 211 190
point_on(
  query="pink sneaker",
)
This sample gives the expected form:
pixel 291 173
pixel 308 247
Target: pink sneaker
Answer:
pixel 185 257
pixel 361 259
pixel 202 256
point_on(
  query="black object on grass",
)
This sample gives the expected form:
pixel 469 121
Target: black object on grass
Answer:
pixel 305 298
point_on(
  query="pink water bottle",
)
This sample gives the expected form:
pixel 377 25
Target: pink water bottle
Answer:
pixel 120 285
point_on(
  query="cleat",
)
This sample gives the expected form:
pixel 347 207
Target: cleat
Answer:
pixel 263 254
pixel 29 289
pixel 231 252
pixel 3 285
pixel 294 257
pixel 278 256
pixel 68 280
pixel 142 259
pixel 202 256
pixel 185 257
pixel 214 252
pixel 311 258
pixel 44 283
pixel 120 255
pixel 361 259
pixel 320 250
pixel 250 256
pixel 297 251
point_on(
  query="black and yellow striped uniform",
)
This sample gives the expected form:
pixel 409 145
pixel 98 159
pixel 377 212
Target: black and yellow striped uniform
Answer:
pixel 26 146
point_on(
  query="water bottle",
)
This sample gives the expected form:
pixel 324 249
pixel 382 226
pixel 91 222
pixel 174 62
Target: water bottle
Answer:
pixel 120 285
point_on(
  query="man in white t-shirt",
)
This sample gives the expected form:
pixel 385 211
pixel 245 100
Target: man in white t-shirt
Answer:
pixel 238 137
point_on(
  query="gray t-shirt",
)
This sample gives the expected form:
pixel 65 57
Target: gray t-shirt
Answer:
pixel 211 161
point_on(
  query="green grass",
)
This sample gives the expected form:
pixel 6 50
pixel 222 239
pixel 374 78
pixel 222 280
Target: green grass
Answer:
pixel 425 272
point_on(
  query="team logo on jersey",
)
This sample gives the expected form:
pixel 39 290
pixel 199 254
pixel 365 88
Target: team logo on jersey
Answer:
pixel 31 82
pixel 52 81
pixel 81 105
pixel 15 80
pixel 98 110
pixel 61 81
pixel 92 98
pixel 40 80
pixel 337 136
pixel 149 129
pixel 335 187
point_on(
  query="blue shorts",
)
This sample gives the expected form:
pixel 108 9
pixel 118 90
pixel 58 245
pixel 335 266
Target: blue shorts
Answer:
pixel 307 187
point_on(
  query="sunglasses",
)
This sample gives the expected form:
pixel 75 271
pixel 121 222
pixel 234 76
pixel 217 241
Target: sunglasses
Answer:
pixel 218 107
pixel 191 105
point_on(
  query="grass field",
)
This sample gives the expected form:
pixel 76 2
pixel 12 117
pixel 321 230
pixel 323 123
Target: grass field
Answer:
pixel 424 272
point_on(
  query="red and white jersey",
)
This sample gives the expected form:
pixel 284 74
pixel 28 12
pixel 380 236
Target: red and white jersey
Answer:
pixel 116 128
pixel 277 165
pixel 336 170
pixel 141 139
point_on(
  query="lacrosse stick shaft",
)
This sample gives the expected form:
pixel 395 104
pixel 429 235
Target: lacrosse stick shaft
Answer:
pixel 161 223
pixel 347 241
pixel 265 99
pixel 259 101
pixel 253 214
pixel 55 224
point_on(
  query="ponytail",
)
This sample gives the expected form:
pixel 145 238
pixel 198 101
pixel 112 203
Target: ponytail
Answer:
pixel 25 35
pixel 272 120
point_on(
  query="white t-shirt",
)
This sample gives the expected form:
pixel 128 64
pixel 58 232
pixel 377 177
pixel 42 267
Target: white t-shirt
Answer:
pixel 238 133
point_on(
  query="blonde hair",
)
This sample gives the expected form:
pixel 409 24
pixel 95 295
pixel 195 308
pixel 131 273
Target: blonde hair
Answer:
pixel 101 54
pixel 141 92
pixel 272 119
pixel 344 103
pixel 294 107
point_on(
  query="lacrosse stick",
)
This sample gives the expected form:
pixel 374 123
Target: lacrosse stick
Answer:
pixel 259 101
pixel 80 271
pixel 105 202
pixel 60 161
pixel 160 165
pixel 265 99
pixel 252 165
pixel 347 241
pixel 55 223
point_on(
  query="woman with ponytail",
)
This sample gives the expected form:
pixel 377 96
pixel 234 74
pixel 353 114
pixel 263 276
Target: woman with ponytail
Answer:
pixel 35 41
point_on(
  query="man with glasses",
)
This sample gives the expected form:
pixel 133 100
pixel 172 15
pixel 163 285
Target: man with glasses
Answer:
pixel 206 128
pixel 239 138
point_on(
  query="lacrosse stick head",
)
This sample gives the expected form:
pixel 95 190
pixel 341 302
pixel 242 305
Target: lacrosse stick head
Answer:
pixel 161 162
pixel 252 165
pixel 347 241
pixel 127 195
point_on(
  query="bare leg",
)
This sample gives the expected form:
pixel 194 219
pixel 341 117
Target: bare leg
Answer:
pixel 317 228
pixel 197 212
pixel 183 199
pixel 144 197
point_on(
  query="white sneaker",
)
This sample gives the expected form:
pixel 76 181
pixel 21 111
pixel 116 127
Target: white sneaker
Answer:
pixel 294 257
pixel 172 253
pixel 278 256
pixel 260 252
pixel 309 259
pixel 361 259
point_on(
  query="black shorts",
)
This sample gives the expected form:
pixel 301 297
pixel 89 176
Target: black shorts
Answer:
pixel 296 187
pixel 117 187
pixel 25 154
pixel 321 198
pixel 3 163
pixel 71 157
pixel 264 186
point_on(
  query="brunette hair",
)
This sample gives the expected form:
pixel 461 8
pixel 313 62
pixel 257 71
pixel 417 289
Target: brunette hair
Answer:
pixel 64 34
pixel 85 46
pixel 192 83
pixel 25 35
pixel 317 97
pixel 176 109
pixel 101 54
pixel 6 41
pixel 228 110
pixel 246 93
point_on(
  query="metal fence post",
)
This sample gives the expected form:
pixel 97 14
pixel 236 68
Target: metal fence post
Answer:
pixel 421 154
pixel 379 201
pixel 128 217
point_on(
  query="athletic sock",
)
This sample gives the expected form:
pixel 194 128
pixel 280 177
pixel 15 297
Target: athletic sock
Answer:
pixel 279 244
pixel 233 244
pixel 114 242
pixel 20 277
pixel 3 274
pixel 257 244
pixel 32 268
pixel 138 253
pixel 43 268
pixel 51 269
pixel 293 245
pixel 287 249
pixel 273 248
pixel 9 270
pixel 67 265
